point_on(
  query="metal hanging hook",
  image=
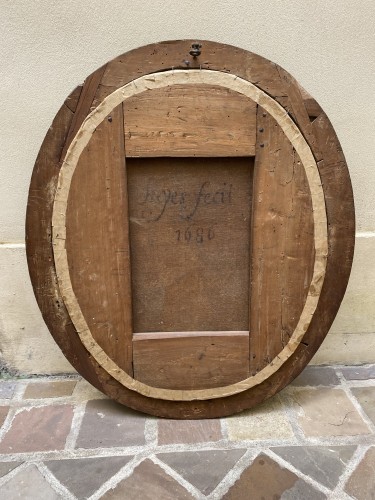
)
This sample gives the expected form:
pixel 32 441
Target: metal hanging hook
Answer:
pixel 195 49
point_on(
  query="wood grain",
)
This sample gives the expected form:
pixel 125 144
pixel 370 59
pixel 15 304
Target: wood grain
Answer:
pixel 83 106
pixel 189 233
pixel 282 258
pixel 97 242
pixel 169 55
pixel 59 228
pixel 340 215
pixel 39 247
pixel 197 361
pixel 189 120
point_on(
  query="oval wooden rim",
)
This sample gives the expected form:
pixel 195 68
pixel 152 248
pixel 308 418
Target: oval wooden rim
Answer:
pixel 292 132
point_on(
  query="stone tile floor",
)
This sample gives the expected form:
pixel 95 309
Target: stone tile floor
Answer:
pixel 62 439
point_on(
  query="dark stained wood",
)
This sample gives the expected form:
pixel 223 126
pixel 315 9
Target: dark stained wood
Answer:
pixel 282 243
pixel 39 248
pixel 189 234
pixel 340 215
pixel 312 107
pixel 190 120
pixel 73 99
pixel 195 361
pixel 97 240
pixel 296 107
pixel 340 206
pixel 175 55
pixel 83 106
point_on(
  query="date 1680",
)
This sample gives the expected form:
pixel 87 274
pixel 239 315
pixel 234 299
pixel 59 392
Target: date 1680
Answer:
pixel 195 235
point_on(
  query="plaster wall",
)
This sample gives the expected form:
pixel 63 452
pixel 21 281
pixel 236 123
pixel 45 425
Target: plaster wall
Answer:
pixel 49 47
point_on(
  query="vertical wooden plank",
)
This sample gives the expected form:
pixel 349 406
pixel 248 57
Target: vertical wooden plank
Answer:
pixel 97 239
pixel 282 243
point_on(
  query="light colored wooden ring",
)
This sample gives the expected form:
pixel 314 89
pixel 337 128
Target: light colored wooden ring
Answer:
pixel 290 129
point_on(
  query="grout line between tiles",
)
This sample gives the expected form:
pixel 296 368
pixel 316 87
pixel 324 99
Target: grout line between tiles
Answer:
pixel 54 482
pixel 349 469
pixel 151 432
pixel 7 422
pixel 113 481
pixel 14 472
pixel 356 403
pixel 287 465
pixel 151 448
pixel 234 474
pixel 79 412
pixel 179 479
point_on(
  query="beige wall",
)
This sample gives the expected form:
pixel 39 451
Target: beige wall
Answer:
pixel 48 47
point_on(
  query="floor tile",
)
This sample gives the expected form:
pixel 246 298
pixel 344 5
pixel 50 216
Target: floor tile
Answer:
pixel 203 469
pixel 148 482
pixel 109 424
pixel 83 477
pixel 327 412
pixel 325 464
pixel 317 375
pixel 7 389
pixel 38 429
pixel 266 421
pixel 359 372
pixel 267 480
pixel 3 414
pixel 6 467
pixel 84 391
pixel 189 431
pixel 29 484
pixel 55 389
pixel 366 397
pixel 361 484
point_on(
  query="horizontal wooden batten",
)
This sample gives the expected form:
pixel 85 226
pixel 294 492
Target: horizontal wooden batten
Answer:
pixel 187 120
pixel 168 335
pixel 191 360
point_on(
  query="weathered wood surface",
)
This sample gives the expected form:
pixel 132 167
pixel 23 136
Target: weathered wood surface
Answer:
pixel 196 361
pixel 297 140
pixel 97 241
pixel 190 234
pixel 189 120
pixel 39 245
pixel 339 205
pixel 83 106
pixel 282 243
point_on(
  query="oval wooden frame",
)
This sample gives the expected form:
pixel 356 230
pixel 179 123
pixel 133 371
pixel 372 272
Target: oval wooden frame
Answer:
pixel 81 140
pixel 319 135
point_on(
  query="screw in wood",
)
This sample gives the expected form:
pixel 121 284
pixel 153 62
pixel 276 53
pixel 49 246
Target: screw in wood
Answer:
pixel 195 49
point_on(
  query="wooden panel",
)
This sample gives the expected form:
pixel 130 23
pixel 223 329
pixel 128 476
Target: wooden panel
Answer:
pixel 282 243
pixel 197 361
pixel 189 232
pixel 175 55
pixel 97 239
pixel 190 120
pixel 39 247
pixel 340 214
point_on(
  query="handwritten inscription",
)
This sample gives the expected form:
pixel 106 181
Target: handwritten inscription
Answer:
pixel 196 235
pixel 188 204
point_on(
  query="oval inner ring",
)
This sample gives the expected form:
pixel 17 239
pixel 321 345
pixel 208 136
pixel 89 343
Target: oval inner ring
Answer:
pixel 80 141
